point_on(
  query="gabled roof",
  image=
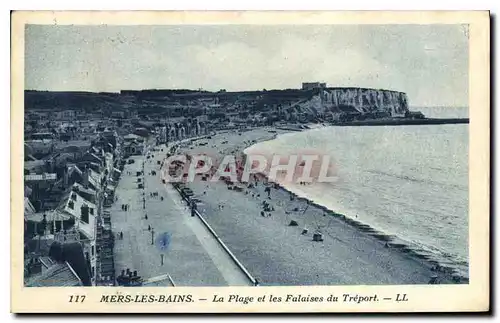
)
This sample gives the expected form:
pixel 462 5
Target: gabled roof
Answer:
pixel 94 155
pixel 61 274
pixel 75 211
pixel 47 262
pixel 73 168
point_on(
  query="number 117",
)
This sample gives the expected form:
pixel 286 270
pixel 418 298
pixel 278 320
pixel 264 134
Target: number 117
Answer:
pixel 76 298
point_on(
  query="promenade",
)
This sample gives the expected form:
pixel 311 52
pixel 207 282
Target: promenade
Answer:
pixel 192 256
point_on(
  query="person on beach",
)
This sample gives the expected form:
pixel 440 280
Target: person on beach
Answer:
pixel 121 235
pixel 146 217
pixel 268 190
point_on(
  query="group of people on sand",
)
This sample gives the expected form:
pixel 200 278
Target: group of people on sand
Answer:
pixel 266 209
pixel 125 207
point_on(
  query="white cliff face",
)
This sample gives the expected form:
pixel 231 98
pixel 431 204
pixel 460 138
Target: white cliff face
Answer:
pixel 314 104
pixel 366 100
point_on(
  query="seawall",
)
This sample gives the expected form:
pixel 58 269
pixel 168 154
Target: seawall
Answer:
pixel 404 122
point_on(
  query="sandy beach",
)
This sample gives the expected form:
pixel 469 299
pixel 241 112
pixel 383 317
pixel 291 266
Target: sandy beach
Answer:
pixel 276 253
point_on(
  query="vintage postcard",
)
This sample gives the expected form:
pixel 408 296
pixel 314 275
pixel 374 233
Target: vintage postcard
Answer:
pixel 250 162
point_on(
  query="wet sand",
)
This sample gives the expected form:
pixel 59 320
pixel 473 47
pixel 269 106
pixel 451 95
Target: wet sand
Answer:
pixel 276 253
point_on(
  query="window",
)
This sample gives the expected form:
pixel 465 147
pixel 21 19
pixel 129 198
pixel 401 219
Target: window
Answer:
pixel 91 210
pixel 71 205
pixel 85 213
pixel 93 271
pixel 93 250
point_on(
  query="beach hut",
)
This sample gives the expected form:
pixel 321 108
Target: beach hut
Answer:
pixel 317 236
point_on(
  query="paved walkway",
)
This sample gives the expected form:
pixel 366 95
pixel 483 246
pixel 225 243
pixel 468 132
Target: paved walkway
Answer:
pixel 192 258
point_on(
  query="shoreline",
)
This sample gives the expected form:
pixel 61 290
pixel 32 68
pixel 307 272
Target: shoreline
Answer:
pixel 393 241
pixel 446 274
pixel 403 122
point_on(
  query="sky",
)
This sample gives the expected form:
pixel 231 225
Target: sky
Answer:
pixel 428 62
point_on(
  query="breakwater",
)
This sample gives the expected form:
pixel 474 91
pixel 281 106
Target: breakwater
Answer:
pixel 404 122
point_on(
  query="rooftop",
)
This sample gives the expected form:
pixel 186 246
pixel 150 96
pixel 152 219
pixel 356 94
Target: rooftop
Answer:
pixel 60 274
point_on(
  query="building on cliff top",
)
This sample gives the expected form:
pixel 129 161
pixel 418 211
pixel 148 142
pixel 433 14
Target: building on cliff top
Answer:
pixel 313 85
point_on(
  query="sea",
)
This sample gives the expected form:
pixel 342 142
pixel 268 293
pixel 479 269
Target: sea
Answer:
pixel 407 181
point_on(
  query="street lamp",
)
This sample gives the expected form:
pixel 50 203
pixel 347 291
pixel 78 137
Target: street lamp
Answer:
pixel 152 236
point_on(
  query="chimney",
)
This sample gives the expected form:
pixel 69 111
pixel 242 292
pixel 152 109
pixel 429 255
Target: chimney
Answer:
pixel 66 175
pixel 86 174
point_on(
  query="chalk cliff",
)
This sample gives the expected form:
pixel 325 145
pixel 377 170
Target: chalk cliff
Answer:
pixel 364 100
